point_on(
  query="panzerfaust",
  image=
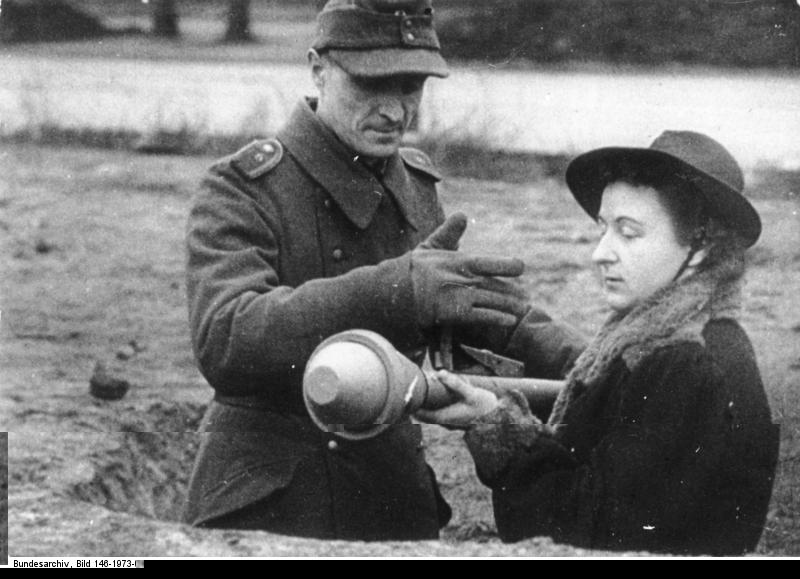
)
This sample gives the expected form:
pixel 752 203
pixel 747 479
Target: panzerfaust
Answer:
pixel 356 385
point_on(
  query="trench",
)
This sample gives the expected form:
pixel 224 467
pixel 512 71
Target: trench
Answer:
pixel 145 471
pixel 143 465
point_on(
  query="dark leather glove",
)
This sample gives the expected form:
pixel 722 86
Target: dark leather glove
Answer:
pixel 460 289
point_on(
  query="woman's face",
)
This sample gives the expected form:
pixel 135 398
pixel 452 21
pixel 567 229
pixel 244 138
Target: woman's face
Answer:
pixel 638 252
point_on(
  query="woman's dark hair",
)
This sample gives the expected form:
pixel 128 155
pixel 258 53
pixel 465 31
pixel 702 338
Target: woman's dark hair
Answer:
pixel 688 212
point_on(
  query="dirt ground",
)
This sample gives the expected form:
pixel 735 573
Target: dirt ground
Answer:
pixel 91 250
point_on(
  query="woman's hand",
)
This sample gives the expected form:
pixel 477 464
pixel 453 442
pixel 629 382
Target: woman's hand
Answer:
pixel 470 403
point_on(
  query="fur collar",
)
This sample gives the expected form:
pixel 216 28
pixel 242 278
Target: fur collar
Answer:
pixel 676 313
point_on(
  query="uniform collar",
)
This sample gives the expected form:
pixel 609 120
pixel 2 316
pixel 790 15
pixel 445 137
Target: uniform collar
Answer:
pixel 355 189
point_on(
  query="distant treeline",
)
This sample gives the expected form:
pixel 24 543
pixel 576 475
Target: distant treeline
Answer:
pixel 737 33
pixel 732 33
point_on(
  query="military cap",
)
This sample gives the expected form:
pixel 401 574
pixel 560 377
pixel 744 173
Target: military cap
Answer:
pixel 380 37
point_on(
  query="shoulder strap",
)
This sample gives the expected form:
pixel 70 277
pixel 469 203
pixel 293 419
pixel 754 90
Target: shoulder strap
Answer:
pixel 258 158
pixel 418 160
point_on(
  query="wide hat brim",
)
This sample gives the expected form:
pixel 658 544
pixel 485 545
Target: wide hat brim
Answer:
pixel 588 175
pixel 378 62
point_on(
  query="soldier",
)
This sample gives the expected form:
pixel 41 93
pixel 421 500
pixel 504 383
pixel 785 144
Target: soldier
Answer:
pixel 328 227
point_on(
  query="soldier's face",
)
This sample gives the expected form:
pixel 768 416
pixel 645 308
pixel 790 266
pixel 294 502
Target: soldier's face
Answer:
pixel 370 115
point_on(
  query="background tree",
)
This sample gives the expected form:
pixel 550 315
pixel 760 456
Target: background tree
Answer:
pixel 238 15
pixel 791 10
pixel 165 19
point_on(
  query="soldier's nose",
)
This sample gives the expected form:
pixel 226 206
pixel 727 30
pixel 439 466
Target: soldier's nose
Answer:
pixel 392 110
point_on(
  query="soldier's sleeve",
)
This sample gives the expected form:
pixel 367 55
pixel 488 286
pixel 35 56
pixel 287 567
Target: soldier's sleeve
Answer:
pixel 248 328
pixel 547 347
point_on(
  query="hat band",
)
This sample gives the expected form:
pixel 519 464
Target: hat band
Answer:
pixel 361 29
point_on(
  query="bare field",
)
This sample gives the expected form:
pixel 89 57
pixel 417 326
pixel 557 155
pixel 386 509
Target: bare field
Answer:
pixel 91 250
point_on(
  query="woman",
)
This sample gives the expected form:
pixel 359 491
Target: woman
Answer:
pixel 662 438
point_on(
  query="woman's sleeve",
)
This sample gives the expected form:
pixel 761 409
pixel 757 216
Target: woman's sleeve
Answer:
pixel 615 490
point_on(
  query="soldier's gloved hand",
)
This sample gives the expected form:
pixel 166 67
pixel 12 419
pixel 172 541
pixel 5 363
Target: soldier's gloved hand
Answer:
pixel 448 234
pixel 461 289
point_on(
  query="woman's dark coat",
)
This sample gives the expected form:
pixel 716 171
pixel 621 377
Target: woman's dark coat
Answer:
pixel 676 455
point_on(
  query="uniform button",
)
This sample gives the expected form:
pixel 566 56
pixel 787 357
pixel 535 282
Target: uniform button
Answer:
pixel 259 157
pixel 333 445
pixel 410 36
pixel 338 254
pixel 327 203
pixel 268 148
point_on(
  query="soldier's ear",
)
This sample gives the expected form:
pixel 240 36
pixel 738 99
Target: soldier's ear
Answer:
pixel 317 68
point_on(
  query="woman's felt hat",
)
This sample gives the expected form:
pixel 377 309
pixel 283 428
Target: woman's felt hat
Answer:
pixel 693 157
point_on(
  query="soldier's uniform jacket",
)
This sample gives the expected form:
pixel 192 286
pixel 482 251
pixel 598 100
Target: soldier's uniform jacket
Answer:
pixel 292 240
